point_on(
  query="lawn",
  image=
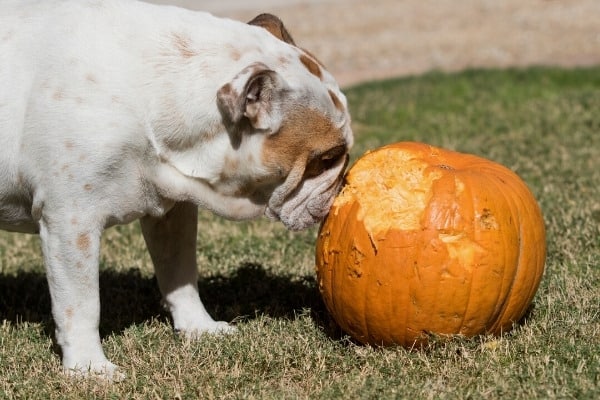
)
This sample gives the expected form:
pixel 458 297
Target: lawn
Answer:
pixel 542 123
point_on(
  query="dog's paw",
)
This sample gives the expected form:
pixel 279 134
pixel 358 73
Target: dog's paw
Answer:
pixel 105 371
pixel 213 328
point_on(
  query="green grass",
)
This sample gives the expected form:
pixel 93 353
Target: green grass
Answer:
pixel 542 123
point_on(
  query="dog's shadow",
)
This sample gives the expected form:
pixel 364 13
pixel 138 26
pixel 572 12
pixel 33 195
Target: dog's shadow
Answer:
pixel 129 298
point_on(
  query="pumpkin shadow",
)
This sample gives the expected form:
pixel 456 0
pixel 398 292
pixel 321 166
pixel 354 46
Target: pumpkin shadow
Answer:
pixel 127 298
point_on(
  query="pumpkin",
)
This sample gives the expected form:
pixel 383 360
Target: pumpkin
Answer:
pixel 423 240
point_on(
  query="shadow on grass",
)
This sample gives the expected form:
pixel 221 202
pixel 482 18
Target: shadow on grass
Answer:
pixel 129 298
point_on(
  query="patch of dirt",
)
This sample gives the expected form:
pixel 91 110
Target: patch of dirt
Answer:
pixel 359 40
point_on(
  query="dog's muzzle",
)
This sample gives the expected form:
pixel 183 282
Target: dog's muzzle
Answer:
pixel 311 201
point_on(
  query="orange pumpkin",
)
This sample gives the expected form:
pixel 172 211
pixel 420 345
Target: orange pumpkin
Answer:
pixel 425 240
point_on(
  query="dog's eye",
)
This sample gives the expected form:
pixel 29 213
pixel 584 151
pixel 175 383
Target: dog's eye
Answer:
pixel 333 155
pixel 329 161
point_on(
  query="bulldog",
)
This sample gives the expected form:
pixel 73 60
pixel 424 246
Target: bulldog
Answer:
pixel 116 110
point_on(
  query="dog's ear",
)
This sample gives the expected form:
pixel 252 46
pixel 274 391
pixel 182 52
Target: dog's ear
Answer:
pixel 254 97
pixel 274 25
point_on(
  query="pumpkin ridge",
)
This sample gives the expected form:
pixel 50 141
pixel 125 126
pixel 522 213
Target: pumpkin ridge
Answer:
pixel 364 314
pixel 404 302
pixel 496 320
pixel 438 292
pixel 449 188
pixel 486 220
pixel 472 280
pixel 517 202
pixel 501 296
pixel 486 209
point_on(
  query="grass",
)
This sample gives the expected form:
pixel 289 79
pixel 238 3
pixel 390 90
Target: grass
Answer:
pixel 542 123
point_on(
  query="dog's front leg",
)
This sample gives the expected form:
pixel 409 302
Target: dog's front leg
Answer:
pixel 71 251
pixel 171 241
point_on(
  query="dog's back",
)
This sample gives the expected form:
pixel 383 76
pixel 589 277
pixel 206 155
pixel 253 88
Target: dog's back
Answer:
pixel 71 71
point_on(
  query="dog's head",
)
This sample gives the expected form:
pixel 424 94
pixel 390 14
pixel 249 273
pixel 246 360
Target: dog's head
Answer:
pixel 293 116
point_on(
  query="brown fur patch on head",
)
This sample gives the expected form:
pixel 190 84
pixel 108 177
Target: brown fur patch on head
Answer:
pixel 311 65
pixel 183 45
pixel 304 134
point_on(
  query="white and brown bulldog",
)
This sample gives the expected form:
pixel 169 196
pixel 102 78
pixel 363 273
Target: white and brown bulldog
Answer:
pixel 117 110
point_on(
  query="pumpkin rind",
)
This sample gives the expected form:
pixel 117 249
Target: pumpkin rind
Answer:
pixel 426 240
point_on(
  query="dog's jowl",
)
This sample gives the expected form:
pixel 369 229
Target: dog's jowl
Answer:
pixel 117 110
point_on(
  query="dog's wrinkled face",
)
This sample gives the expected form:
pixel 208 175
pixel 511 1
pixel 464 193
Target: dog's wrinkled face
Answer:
pixel 296 118
pixel 312 153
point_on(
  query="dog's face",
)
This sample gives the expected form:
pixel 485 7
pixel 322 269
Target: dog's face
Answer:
pixel 291 128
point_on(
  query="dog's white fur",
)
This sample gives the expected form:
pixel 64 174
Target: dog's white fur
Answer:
pixel 112 111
